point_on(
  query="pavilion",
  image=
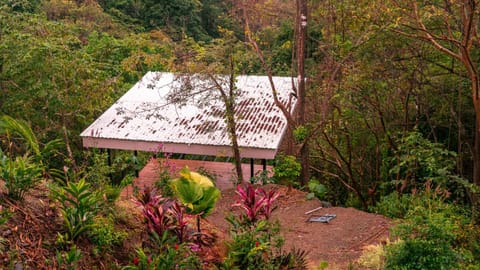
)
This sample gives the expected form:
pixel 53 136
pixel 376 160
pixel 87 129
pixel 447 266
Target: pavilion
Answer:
pixel 154 115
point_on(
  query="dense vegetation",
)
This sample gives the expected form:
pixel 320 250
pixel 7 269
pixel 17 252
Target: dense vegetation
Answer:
pixel 389 123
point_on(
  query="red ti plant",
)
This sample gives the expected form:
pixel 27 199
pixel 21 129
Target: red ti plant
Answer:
pixel 256 202
pixel 178 213
pixel 269 198
pixel 163 215
pixel 155 210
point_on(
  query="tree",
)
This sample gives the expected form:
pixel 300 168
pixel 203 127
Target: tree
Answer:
pixel 215 67
pixel 299 59
pixel 451 27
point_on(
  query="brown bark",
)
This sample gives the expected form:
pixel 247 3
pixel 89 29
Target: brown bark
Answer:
pixel 229 102
pixel 300 41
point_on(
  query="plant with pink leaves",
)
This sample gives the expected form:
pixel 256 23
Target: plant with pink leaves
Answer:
pixel 257 202
pixel 163 216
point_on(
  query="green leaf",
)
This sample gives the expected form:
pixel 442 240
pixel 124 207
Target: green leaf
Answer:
pixel 188 192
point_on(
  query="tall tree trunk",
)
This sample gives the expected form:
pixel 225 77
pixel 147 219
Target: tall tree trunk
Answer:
pixel 232 129
pixel 229 102
pixel 300 41
pixel 476 148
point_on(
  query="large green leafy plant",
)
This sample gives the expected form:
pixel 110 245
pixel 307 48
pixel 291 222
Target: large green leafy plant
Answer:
pixel 78 206
pixel 20 175
pixel 197 192
pixel 22 166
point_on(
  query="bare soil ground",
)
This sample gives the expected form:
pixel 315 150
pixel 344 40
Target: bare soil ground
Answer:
pixel 339 242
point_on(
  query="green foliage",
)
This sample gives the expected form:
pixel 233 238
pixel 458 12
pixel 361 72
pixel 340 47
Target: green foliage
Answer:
pixel 180 256
pixel 394 205
pixel 164 176
pixel 20 175
pixel 316 189
pixel 104 235
pixel 256 243
pixel 262 178
pixel 4 215
pixel 196 192
pixel 251 247
pixel 433 235
pixel 69 259
pixel 418 160
pixel 287 169
pixel 197 19
pixel 28 6
pixel 78 206
pixel 300 134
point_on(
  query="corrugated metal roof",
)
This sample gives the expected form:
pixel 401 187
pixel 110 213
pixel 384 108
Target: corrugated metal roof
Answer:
pixel 146 113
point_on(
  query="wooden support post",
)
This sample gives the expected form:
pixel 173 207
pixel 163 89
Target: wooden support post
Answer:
pixel 252 173
pixel 135 153
pixel 264 163
pixel 109 155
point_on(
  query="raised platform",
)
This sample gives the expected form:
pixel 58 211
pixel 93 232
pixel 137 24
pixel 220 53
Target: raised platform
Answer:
pixel 224 173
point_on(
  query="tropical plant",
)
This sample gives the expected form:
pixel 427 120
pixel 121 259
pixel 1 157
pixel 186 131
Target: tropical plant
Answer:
pixel 69 259
pixel 433 235
pixel 163 216
pixel 4 215
pixel 78 206
pixel 257 203
pixel 417 160
pixel 21 129
pixel 316 189
pixel 20 175
pixel 287 170
pixel 256 243
pixel 104 235
pixel 196 192
pixel 180 256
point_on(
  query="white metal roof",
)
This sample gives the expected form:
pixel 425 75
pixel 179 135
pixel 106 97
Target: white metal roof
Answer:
pixel 145 118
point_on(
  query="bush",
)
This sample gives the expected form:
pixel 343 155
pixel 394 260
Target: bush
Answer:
pixel 287 170
pixel 180 256
pixel 316 190
pixel 432 235
pixel 104 235
pixel 20 175
pixel 256 243
pixel 78 206
pixel 393 205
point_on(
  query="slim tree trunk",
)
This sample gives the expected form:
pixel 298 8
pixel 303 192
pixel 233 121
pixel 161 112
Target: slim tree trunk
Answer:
pixel 229 102
pixel 476 148
pixel 300 41
pixel 232 129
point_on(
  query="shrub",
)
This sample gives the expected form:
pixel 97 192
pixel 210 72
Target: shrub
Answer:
pixel 287 170
pixel 262 178
pixel 394 205
pixel 316 190
pixel 78 206
pixel 20 175
pixel 180 256
pixel 431 235
pixel 256 243
pixel 417 160
pixel 164 217
pixel 104 235
pixel 256 202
